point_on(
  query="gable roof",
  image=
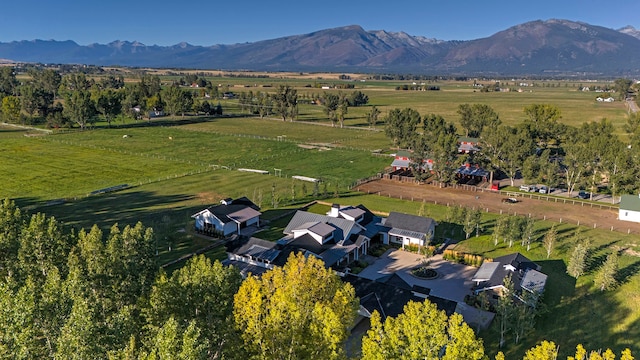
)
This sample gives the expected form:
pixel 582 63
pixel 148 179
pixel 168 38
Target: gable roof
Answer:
pixel 342 227
pixel 238 210
pixel 409 223
pixel 630 202
pixel 515 265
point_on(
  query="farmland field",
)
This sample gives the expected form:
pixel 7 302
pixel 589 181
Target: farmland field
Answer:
pixel 175 167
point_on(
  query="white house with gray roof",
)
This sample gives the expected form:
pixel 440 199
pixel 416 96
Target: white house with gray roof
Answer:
pixel 408 229
pixel 230 217
pixel 629 208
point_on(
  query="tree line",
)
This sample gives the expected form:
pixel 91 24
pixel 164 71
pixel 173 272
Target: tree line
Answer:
pixel 541 149
pixel 76 99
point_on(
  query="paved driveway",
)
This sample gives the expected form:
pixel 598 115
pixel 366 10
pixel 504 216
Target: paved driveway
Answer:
pixel 453 282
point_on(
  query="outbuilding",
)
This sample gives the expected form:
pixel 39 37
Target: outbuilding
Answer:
pixel 629 208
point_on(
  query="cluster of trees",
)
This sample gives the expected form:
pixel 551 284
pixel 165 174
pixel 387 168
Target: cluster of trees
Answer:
pixel 541 149
pixel 77 99
pixel 82 295
pixel 605 276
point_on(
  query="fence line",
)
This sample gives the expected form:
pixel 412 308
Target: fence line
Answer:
pixel 560 220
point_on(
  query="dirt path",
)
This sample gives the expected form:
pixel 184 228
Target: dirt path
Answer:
pixel 540 209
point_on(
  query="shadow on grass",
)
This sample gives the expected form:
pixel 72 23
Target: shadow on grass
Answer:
pixel 624 274
pixel 593 319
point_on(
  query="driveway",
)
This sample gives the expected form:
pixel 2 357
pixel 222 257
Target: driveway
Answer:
pixel 453 282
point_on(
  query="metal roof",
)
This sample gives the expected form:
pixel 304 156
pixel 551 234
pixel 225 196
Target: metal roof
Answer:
pixel 485 271
pixel 414 223
pixel 630 202
pixel 343 227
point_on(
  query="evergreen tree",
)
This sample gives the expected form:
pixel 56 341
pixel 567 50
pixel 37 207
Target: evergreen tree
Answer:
pixel 605 278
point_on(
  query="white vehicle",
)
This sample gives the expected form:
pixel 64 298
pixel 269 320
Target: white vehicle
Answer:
pixel 543 190
pixel 526 188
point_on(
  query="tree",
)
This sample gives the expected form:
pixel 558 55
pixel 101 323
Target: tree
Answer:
pixel 420 332
pixel 78 107
pixel 500 229
pixel 546 350
pixel 299 311
pixel 372 116
pixel 506 148
pixel 504 308
pixel 285 102
pixel 528 228
pixel 578 259
pixel 11 109
pixel 35 100
pixel 440 141
pixel 622 86
pixel 109 104
pixel 472 221
pixel 8 81
pixel 178 101
pixel 474 118
pixel 170 342
pixel 605 278
pixel 358 98
pixel 343 108
pixel 401 126
pixel 331 102
pixel 549 241
pixel 542 123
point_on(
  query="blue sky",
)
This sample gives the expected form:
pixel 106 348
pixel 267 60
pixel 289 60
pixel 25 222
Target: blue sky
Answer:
pixel 212 22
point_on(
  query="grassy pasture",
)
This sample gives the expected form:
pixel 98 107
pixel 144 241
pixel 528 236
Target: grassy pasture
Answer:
pixel 174 178
pixel 576 106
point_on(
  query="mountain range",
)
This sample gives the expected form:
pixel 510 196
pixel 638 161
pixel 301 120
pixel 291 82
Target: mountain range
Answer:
pixel 544 48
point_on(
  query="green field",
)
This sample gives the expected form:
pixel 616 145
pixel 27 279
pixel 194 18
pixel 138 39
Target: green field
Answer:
pixel 175 167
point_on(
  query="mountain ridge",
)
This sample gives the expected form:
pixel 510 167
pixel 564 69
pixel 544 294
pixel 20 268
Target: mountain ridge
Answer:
pixel 538 47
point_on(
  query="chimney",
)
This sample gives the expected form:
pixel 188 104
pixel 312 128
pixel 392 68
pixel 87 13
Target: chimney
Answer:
pixel 335 210
pixel 226 201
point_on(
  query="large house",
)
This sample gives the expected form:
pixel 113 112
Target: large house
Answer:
pixel 402 162
pixel 524 273
pixel 229 217
pixel 629 208
pixel 408 229
pixel 341 236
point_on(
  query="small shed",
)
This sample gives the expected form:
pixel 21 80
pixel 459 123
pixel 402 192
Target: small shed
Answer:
pixel 629 208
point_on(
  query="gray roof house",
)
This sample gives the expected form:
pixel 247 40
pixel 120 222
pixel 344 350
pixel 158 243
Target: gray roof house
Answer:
pixel 408 229
pixel 230 217
pixel 525 275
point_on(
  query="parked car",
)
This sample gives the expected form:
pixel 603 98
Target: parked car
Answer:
pixel 533 188
pixel 583 194
pixel 525 188
pixel 544 190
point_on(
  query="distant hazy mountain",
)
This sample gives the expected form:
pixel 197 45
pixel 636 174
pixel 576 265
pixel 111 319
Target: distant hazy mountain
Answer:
pixel 630 30
pixel 549 47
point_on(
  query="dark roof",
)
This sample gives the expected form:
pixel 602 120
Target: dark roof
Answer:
pixel 408 222
pixel 300 218
pixel 259 249
pixel 514 265
pixel 239 210
pixel 307 242
pixel 388 300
